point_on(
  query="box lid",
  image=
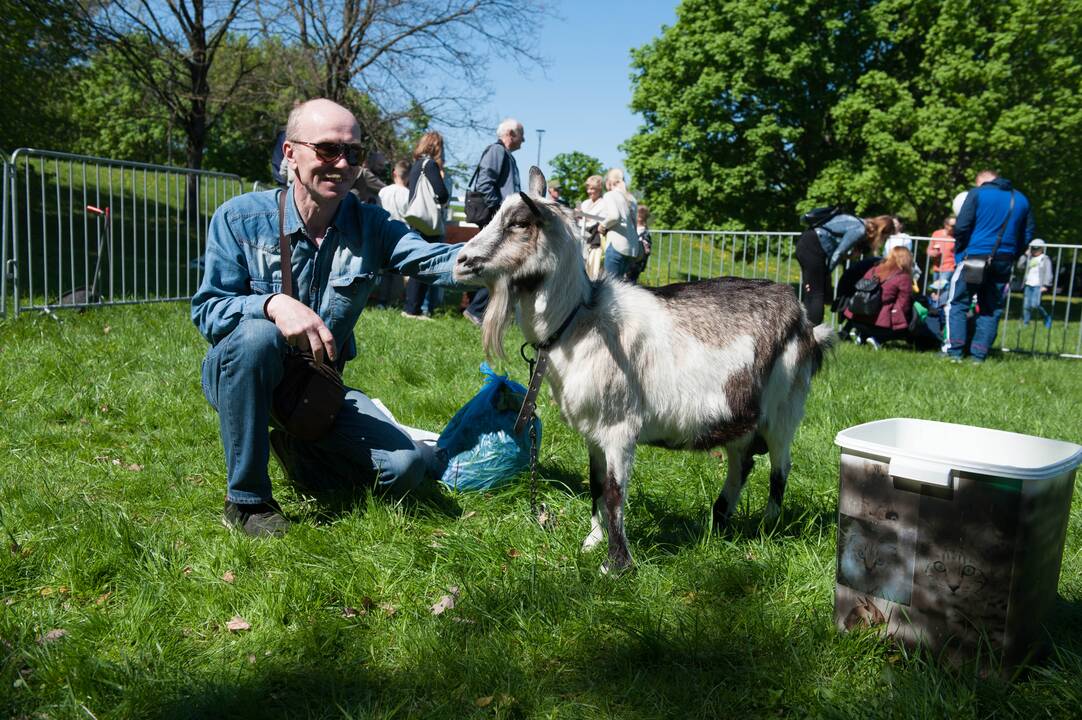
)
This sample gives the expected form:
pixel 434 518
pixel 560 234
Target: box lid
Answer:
pixel 937 447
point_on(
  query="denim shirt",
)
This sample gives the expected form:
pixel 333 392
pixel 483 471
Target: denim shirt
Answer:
pixel 243 263
pixel 838 235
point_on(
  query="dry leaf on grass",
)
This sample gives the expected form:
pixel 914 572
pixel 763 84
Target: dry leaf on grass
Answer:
pixel 135 468
pixel 52 636
pixel 483 701
pixel 238 624
pixel 513 553
pixel 105 330
pixel 102 598
pixel 388 609
pixel 351 612
pixel 470 514
pixel 229 577
pixel 446 602
pixel 187 570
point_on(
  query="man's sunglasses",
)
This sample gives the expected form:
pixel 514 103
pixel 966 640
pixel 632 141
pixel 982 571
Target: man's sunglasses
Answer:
pixel 329 152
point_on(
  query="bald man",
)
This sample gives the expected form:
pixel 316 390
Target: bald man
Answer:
pixel 338 247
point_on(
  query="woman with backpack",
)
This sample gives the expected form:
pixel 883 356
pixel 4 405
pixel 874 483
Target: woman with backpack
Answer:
pixel 880 308
pixel 427 164
pixel 826 244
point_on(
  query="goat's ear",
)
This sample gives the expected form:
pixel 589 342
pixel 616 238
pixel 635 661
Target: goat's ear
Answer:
pixel 537 182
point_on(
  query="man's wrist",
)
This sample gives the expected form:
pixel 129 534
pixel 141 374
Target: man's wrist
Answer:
pixel 266 305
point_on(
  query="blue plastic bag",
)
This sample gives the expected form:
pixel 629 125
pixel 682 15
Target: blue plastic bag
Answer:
pixel 483 450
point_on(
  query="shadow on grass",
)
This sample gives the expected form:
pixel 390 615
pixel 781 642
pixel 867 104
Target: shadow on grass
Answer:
pixel 582 645
pixel 329 505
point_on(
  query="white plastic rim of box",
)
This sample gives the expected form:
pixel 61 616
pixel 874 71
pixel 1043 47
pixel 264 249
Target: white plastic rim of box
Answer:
pixel 929 451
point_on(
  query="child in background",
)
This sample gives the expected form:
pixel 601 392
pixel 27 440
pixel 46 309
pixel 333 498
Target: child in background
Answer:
pixel 1038 277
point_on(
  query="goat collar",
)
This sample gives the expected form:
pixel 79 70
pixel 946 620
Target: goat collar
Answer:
pixel 554 337
pixel 538 365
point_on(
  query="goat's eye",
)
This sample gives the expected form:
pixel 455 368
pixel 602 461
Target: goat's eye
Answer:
pixel 519 224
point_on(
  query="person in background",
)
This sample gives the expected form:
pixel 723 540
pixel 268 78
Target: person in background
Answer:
pixel 821 249
pixel 497 179
pixel 278 166
pixel 367 185
pixel 642 229
pixel 1038 278
pixel 619 211
pixel 895 275
pixel 554 193
pixel 589 221
pixel 395 199
pixel 941 252
pixel 427 159
pixel 337 245
pixel 995 223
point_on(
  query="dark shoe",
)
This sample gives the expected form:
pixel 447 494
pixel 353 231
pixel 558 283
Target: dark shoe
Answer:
pixel 260 520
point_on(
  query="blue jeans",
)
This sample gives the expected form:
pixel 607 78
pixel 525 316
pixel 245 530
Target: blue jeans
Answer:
pixel 1031 300
pixel 990 295
pixel 239 377
pixel 617 264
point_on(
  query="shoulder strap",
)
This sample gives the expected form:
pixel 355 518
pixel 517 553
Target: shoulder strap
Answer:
pixel 1003 227
pixel 477 169
pixel 283 245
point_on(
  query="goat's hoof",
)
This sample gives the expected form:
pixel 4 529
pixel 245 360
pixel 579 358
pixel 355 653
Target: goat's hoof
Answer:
pixel 617 569
pixel 721 522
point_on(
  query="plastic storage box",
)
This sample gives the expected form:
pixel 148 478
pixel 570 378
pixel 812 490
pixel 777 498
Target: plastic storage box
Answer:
pixel 950 536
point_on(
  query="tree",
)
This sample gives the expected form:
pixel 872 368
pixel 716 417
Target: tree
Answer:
pixel 756 110
pixel 994 87
pixel 735 99
pixel 407 60
pixel 572 169
pixel 40 42
pixel 169 51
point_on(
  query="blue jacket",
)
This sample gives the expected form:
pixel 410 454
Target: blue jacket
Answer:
pixel 496 175
pixel 243 263
pixel 838 235
pixel 982 215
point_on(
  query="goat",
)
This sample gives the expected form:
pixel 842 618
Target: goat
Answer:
pixel 725 362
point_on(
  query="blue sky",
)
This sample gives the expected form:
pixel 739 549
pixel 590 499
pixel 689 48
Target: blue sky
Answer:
pixel 582 99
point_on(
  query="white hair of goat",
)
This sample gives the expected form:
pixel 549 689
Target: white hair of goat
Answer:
pixel 719 363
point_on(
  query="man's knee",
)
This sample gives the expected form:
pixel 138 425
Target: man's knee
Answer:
pixel 255 343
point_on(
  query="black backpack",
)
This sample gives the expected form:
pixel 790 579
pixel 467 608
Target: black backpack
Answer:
pixel 867 299
pixel 820 215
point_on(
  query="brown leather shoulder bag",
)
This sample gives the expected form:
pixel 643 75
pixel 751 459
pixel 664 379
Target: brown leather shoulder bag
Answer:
pixel 310 394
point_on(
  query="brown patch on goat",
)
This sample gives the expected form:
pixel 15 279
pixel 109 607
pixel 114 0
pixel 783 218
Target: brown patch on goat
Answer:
pixel 619 557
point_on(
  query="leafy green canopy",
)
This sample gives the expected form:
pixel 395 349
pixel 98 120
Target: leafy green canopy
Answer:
pixel 755 110
pixel 572 169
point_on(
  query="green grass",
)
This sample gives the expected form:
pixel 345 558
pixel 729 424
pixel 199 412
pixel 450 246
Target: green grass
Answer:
pixel 111 496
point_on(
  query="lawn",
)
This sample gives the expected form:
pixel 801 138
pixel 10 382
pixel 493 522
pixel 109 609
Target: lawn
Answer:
pixel 118 583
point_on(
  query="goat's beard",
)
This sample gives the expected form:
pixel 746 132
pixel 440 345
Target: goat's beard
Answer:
pixel 497 316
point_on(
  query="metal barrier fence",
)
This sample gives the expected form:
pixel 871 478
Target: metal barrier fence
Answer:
pixel 6 268
pixel 87 231
pixel 80 231
pixel 681 256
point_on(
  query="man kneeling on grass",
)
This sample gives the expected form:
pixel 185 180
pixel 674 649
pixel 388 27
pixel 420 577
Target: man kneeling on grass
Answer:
pixel 338 246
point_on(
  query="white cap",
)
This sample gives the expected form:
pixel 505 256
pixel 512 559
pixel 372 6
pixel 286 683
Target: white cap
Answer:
pixel 960 198
pixel 1036 242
